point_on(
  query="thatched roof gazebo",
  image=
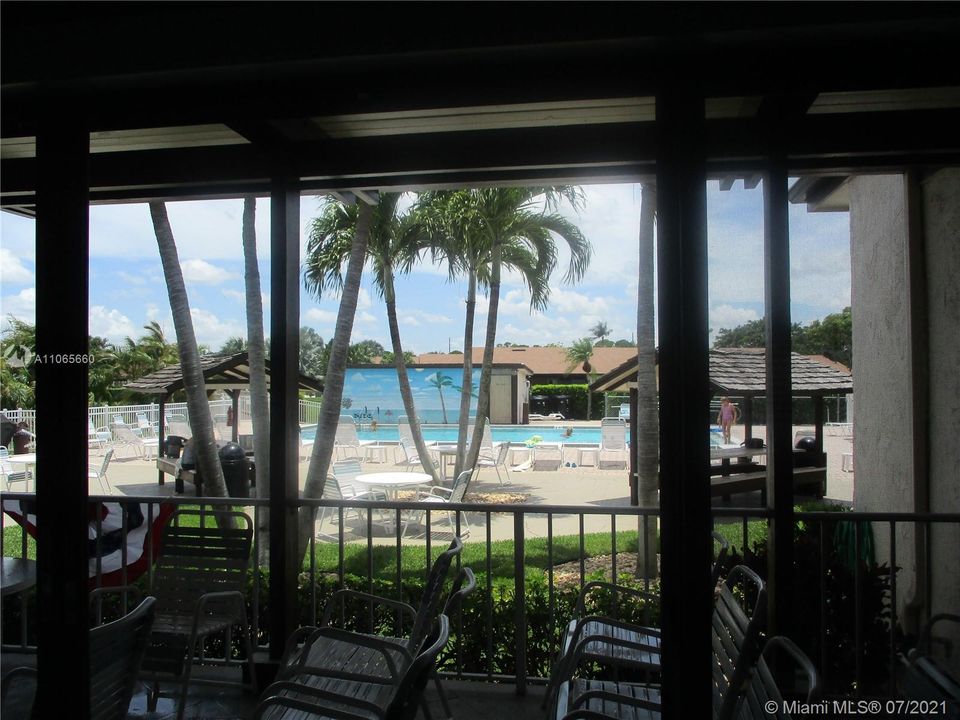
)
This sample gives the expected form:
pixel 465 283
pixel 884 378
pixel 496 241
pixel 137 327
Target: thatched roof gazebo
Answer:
pixel 229 373
pixel 742 372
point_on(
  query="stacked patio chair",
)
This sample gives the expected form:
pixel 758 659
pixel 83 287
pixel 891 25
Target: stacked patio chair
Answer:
pixel 642 648
pixel 124 436
pixel 342 657
pixel 613 443
pixel 116 653
pixel 762 691
pixel 736 631
pixel 200 579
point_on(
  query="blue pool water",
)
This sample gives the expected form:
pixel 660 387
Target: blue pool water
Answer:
pixel 500 433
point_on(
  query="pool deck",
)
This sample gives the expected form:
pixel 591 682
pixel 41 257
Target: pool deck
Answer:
pixel 568 486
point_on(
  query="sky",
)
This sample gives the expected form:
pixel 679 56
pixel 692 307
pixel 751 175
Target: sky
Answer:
pixel 127 289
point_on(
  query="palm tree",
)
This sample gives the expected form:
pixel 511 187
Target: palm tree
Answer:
pixel 201 424
pixel 579 354
pixel 440 381
pixel 256 356
pixel 482 231
pixel 394 245
pixel 355 248
pixel 600 331
pixel 647 450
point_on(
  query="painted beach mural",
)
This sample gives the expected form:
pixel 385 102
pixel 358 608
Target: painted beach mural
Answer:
pixel 373 394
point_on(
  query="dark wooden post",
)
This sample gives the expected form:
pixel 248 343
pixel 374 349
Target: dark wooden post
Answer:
pixel 687 595
pixel 776 252
pixel 747 417
pixel 284 416
pixel 634 447
pixel 61 401
pixel 235 399
pixel 818 424
pixel 161 435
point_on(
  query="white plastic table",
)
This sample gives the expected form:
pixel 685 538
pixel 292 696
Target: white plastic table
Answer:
pixel 29 462
pixel 390 482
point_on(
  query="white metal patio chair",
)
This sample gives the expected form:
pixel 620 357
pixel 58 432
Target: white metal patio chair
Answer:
pixel 346 442
pixel 438 494
pixel 98 437
pixel 500 461
pixel 100 473
pixel 8 474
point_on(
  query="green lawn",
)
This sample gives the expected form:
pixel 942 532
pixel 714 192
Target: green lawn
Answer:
pixel 383 558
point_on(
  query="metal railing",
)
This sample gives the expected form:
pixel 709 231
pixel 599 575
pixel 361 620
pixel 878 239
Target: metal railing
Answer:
pixel 850 622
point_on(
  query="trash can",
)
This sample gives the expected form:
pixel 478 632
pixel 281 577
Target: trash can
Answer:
pixel 233 461
pixel 172 446
pixel 563 405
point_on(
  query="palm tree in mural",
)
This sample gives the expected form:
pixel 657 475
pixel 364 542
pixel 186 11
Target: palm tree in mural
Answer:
pixel 333 247
pixel 440 381
pixel 479 233
pixel 396 240
pixel 256 356
pixel 579 354
pixel 647 451
pixel 201 424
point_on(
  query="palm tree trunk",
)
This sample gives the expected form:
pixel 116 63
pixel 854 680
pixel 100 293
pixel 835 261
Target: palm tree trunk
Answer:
pixel 333 380
pixel 256 353
pixel 390 298
pixel 467 384
pixel 201 424
pixel 647 416
pixel 486 371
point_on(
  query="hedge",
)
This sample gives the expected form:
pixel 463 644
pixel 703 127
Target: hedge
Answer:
pixel 578 399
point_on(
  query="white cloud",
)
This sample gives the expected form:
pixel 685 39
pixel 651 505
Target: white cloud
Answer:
pixel 365 317
pixel 130 278
pixel 22 306
pixel 418 317
pixel 203 273
pixel 152 311
pixel 728 316
pixel 320 316
pixel 110 323
pixel 12 270
pixel 363 300
pixel 234 295
pixel 212 331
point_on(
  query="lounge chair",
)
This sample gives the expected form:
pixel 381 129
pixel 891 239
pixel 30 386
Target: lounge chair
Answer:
pixel 364 698
pixel 147 428
pixel 346 442
pixel 100 473
pixel 116 653
pixel 762 691
pixel 176 424
pixel 547 456
pixel 735 648
pixel 643 649
pixel 143 448
pixel 613 443
pixel 200 580
pixel 98 437
pixel 329 651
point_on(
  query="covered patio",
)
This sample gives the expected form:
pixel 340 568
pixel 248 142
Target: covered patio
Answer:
pixel 741 373
pixel 175 102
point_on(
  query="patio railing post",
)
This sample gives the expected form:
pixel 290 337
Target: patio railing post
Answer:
pixel 519 600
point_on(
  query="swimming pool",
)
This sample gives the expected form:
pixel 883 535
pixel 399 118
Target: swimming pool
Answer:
pixel 500 433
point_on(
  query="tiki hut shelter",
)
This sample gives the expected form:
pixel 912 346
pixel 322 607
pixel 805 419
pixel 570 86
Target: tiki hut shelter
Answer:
pixel 230 373
pixel 741 372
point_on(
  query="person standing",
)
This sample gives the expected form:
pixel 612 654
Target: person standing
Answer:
pixel 728 415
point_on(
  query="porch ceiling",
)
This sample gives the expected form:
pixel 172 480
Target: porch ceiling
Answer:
pixel 233 104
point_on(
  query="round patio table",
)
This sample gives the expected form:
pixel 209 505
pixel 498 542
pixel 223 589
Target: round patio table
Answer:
pixel 29 463
pixel 390 482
